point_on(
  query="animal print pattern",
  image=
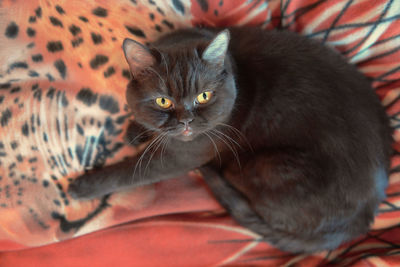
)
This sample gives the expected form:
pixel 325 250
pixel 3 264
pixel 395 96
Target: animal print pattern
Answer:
pixel 62 111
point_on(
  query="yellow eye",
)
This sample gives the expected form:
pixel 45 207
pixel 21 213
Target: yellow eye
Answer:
pixel 163 102
pixel 204 97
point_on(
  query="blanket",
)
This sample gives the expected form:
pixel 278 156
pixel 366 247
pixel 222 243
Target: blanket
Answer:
pixel 62 111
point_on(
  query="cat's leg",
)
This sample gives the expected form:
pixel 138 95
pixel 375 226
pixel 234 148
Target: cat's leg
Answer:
pixel 284 197
pixel 147 167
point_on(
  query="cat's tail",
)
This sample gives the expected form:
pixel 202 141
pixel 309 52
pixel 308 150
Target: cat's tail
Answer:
pixel 239 208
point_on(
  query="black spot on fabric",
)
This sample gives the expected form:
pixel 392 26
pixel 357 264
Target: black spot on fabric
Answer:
pixel 32 160
pixel 5 117
pixel 32 19
pixel 100 12
pixel 135 31
pixel 45 138
pixel 1 99
pixel 151 16
pixel 216 12
pixel 53 177
pixel 30 32
pixel 114 39
pixel 15 90
pixel 96 38
pixel 74 29
pixel 50 77
pixel 33 73
pixel 2 154
pixel 77 42
pixel 38 94
pixel 54 46
pixel 221 3
pixel 100 24
pixel 84 19
pixel 151 2
pixel 37 58
pixel 56 22
pixel 59 186
pixel 97 61
pixel 19 158
pixel 110 71
pixel 35 86
pixel 5 85
pixel 57 202
pixel 168 24
pixel 80 65
pixel 109 126
pixel 178 6
pixel 50 93
pixel 31 45
pixel 203 5
pixel 62 69
pixel 12 30
pixel 38 12
pixel 60 10
pixel 34 148
pixel 80 129
pixel 87 96
pixel 126 73
pixel 45 183
pixel 158 28
pixel 25 129
pixel 14 145
pixel 121 119
pixel 109 103
pixel 66 226
pixel 64 100
pixel 159 10
pixel 1 145
pixel 19 65
pixel 134 2
pixel 58 126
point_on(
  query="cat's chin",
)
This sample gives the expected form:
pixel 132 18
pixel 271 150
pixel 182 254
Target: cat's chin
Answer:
pixel 185 138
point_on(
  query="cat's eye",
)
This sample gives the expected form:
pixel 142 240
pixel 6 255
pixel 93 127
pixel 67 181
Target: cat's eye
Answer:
pixel 163 102
pixel 204 97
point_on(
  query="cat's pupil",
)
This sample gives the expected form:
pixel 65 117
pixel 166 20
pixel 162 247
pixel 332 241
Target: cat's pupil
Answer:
pixel 163 101
pixel 204 96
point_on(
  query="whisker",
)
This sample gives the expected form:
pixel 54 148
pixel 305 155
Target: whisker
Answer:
pixel 215 147
pixel 238 133
pixel 229 138
pixel 142 133
pixel 234 151
pixel 163 149
pixel 160 140
pixel 139 162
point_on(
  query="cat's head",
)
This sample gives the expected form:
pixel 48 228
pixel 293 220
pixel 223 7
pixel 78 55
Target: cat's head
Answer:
pixel 182 90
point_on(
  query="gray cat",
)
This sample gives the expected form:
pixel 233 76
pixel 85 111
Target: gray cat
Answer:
pixel 291 139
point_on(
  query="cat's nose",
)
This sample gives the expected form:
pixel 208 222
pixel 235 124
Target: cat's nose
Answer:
pixel 186 121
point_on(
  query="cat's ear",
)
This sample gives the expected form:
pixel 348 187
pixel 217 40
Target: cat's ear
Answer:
pixel 138 56
pixel 216 51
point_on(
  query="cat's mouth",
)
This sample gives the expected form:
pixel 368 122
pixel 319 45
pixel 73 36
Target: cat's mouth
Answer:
pixel 184 134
